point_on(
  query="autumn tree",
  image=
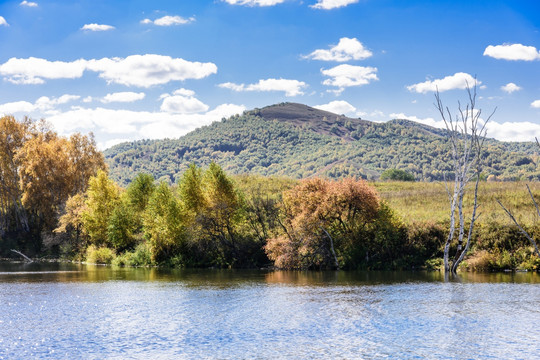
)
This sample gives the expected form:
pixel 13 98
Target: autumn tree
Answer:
pixel 321 219
pixel 13 135
pixel 39 171
pixel 71 222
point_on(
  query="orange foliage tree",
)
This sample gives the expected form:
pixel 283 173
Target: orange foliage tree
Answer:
pixel 322 218
pixel 39 171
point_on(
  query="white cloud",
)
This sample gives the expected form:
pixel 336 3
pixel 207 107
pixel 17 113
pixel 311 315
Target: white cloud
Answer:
pixel 337 107
pixel 536 104
pixel 135 70
pixel 97 27
pixel 184 92
pixel 169 20
pixel 254 2
pixel 172 20
pixel 374 115
pixel 183 105
pixel 16 107
pixel 125 96
pixel 3 21
pixel 512 52
pixel 290 87
pixel 133 125
pixel 512 131
pixel 34 70
pixel 457 81
pixel 345 75
pixel 148 70
pixel 507 131
pixel 87 99
pixel 510 88
pixel 44 104
pixel 347 49
pixel 332 4
pixel 28 3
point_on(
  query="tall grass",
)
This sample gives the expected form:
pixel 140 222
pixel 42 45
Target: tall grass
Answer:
pixel 422 201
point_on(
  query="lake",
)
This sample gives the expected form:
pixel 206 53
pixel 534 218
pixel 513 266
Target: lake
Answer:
pixel 70 311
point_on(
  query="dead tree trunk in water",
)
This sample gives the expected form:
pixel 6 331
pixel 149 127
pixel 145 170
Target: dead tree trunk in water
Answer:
pixel 466 134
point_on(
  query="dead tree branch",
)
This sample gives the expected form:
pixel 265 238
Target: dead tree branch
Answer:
pixel 21 254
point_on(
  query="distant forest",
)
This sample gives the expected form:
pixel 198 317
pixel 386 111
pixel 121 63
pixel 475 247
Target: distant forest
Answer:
pixel 298 141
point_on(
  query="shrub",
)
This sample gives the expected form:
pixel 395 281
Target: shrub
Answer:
pixel 141 256
pixel 102 255
pixel 397 175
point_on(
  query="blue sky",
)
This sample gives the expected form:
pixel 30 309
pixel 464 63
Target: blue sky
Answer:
pixel 129 70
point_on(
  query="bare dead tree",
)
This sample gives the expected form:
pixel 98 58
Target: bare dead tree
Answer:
pixel 466 134
pixel 511 216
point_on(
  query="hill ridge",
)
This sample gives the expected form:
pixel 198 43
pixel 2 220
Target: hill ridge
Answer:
pixel 296 140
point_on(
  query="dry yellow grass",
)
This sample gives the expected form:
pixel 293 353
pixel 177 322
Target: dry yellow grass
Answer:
pixel 420 201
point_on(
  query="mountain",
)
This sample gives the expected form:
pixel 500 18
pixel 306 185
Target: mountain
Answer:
pixel 299 141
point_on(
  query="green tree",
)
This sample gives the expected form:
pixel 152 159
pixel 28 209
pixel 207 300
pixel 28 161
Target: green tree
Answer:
pixel 396 175
pixel 103 196
pixel 123 225
pixel 164 224
pixel 140 190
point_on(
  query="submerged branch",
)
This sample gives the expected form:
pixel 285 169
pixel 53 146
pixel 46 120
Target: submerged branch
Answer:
pixel 21 254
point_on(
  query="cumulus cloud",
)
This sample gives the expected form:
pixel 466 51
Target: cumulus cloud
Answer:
pixel 16 107
pixel 290 87
pixel 512 131
pixel 347 49
pixel 34 70
pixel 254 2
pixel 44 104
pixel 183 105
pixel 345 75
pixel 3 21
pixel 184 92
pixel 169 20
pixel 182 101
pixel 135 70
pixel 507 131
pixel 125 97
pixel 28 3
pixel 337 107
pixel 148 70
pixel 97 27
pixel 332 4
pixel 457 81
pixel 536 104
pixel 513 52
pixel 510 88
pixel 133 125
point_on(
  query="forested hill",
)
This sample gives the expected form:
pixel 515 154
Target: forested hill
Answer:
pixel 299 141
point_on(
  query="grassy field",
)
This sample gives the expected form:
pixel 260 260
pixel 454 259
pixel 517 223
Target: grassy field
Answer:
pixel 421 201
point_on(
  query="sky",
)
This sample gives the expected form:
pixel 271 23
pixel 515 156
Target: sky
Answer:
pixel 128 70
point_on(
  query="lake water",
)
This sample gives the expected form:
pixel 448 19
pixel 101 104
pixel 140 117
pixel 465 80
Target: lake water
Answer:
pixel 67 311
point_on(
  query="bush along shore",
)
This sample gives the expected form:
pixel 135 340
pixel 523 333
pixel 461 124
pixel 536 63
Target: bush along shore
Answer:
pixel 211 219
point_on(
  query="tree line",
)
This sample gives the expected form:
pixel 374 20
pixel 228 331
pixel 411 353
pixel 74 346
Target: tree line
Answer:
pixel 57 198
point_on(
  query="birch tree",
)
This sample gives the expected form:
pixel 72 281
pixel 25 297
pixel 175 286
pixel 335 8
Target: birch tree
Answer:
pixel 466 133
